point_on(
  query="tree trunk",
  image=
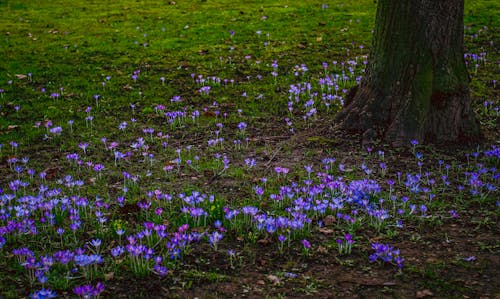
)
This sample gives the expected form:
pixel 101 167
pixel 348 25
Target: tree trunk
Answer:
pixel 416 86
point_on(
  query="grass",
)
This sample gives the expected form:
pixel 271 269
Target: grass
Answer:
pixel 156 148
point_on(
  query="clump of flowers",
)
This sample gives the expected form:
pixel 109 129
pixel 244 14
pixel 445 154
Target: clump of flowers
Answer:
pixel 344 246
pixel 214 239
pixel 43 294
pixel 387 254
pixel 89 291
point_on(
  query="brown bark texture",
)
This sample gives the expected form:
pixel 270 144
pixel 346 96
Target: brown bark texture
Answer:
pixel 416 86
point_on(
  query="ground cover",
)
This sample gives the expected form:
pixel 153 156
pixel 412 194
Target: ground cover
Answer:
pixel 186 150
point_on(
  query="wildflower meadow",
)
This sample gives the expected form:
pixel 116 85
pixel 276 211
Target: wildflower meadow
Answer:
pixel 156 149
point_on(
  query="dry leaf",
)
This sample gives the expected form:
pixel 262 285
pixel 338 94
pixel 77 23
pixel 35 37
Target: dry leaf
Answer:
pixel 274 279
pixel 326 231
pixel 209 114
pixel 424 293
pixel 263 241
pixel 109 276
pixel 322 249
pixel 329 220
pixel 389 283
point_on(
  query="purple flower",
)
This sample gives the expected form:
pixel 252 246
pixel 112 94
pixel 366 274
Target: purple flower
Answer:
pixel 348 238
pixel 89 291
pixel 95 242
pixel 470 258
pixel 64 257
pixel 217 224
pixel 306 244
pixel 43 294
pixel 160 270
pixel 83 260
pixel 386 253
pixel 282 170
pixel 117 251
pixel 258 191
pixel 98 167
pixel 56 130
pixel 250 162
pixel 242 126
pixel 214 239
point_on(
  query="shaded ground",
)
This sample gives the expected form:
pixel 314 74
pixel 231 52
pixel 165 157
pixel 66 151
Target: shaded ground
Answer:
pixel 445 258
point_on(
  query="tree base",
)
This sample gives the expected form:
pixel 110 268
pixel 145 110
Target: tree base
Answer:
pixel 416 84
pixel 448 119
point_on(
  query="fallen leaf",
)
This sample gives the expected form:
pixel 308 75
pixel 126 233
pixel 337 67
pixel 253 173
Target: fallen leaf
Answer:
pixel 326 231
pixel 274 279
pixel 329 220
pixel 209 114
pixel 199 229
pixel 322 249
pixel 109 276
pixel 263 241
pixel 389 283
pixel 424 293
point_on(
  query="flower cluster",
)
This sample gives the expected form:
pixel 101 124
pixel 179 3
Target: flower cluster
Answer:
pixel 344 245
pixel 387 254
pixel 89 291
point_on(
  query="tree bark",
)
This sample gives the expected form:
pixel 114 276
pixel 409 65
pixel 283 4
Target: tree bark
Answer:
pixel 416 86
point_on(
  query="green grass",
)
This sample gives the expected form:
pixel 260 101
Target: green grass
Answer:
pixel 75 45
